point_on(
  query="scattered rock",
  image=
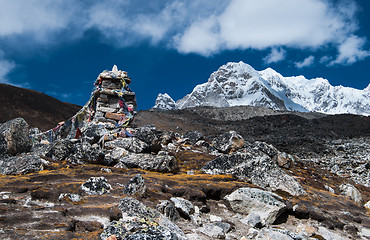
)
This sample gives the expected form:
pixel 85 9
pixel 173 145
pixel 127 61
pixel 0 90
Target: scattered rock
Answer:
pixel 157 163
pixel 96 186
pixel 257 168
pixel 14 137
pixel 168 209
pixel 72 197
pixel 193 136
pixel 136 185
pixel 131 144
pixel 351 192
pixel 228 142
pixel 367 205
pixel 185 207
pixel 26 163
pixel 268 206
pixel 216 230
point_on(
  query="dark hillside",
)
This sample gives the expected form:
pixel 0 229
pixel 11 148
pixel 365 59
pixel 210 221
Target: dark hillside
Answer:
pixel 38 109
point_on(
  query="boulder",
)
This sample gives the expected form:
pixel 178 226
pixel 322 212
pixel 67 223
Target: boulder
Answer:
pixel 351 192
pixel 131 144
pixel 112 156
pixel 185 207
pixel 61 149
pixel 22 164
pixel 256 167
pixel 141 222
pixel 136 185
pixel 85 153
pixel 157 163
pixel 194 136
pixel 96 186
pixel 14 137
pixel 151 136
pixel 168 209
pixel 228 142
pixel 94 132
pixel 268 206
pixel 216 230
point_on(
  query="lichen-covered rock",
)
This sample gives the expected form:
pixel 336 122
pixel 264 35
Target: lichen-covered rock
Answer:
pixel 194 136
pixel 216 230
pixel 228 142
pixel 151 136
pixel 96 186
pixel 136 185
pixel 14 137
pixel 256 167
pixel 131 144
pixel 185 207
pixel 61 149
pixel 168 209
pixel 22 164
pixel 94 132
pixel 85 153
pixel 141 222
pixel 268 206
pixel 157 163
pixel 351 192
pixel 112 157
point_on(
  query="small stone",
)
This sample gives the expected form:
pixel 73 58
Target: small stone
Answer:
pixel 185 207
pixel 96 186
pixel 136 185
pixel 213 218
pixel 351 192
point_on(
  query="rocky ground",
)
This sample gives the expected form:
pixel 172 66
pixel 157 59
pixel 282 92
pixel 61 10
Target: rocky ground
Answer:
pixel 277 176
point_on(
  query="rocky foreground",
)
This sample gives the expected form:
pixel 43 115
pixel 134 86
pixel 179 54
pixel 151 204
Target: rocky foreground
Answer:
pixel 157 184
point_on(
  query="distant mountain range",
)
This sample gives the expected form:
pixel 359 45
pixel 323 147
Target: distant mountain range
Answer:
pixel 239 84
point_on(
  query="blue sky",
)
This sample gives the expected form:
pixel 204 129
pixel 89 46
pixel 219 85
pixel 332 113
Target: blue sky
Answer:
pixel 59 47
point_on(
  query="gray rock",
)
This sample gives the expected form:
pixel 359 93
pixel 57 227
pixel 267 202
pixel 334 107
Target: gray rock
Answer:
pixel 136 185
pixel 151 136
pixel 135 213
pixel 157 163
pixel 85 153
pixel 216 230
pixel 70 196
pixel 14 137
pixel 94 132
pixel 185 207
pixel 256 167
pixel 168 209
pixel 268 206
pixel 193 136
pixel 131 144
pixel 351 192
pixel 26 163
pixel 96 186
pixel 61 149
pixel 228 142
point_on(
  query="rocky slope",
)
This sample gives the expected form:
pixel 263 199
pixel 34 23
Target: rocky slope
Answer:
pixel 236 84
pixel 214 183
pixel 38 109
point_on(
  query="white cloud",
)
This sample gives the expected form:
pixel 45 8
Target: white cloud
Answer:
pixel 351 50
pixel 276 55
pixel 305 62
pixel 191 26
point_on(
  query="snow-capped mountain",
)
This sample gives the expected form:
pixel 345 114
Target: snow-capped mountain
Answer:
pixel 236 84
pixel 164 102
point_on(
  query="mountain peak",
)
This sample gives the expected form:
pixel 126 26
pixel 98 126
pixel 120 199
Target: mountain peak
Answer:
pixel 237 83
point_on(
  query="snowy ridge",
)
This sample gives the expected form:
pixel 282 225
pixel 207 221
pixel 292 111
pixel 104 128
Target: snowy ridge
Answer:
pixel 235 84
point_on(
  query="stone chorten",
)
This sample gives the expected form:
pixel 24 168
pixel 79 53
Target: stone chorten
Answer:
pixel 112 100
pixel 112 106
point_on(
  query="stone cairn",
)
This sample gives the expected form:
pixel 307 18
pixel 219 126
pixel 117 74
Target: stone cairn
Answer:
pixel 113 101
pixel 112 106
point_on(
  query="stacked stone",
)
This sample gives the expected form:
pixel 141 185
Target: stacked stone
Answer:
pixel 115 102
